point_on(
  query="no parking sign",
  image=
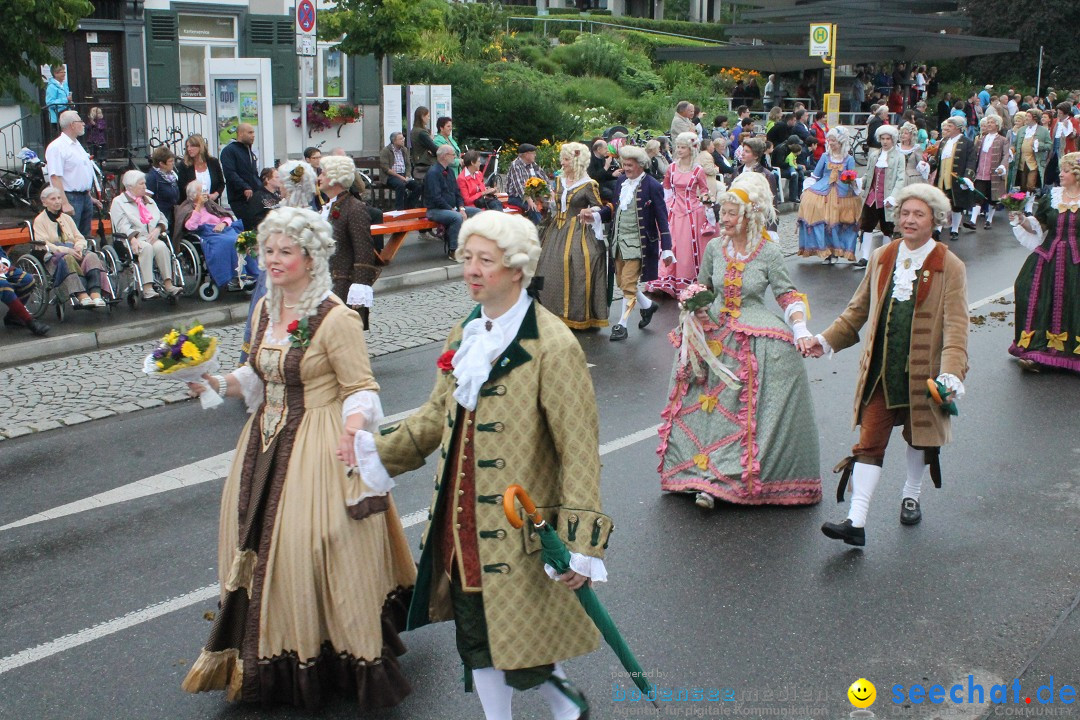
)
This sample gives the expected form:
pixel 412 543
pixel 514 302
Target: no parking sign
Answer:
pixel 306 23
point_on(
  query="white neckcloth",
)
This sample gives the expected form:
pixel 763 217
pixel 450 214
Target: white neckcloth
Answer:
pixel 628 193
pixel 908 264
pixel 988 140
pixel 950 146
pixel 480 347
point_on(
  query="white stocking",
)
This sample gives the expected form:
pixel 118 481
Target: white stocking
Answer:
pixel 867 246
pixel 625 312
pixel 643 302
pixel 990 213
pixel 864 478
pixel 495 695
pixel 975 213
pixel 916 467
pixel 1030 203
pixel 562 707
pixel 956 217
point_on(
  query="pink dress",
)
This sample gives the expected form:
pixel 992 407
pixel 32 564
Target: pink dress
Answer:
pixel 690 230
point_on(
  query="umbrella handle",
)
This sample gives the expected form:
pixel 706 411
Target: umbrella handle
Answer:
pixel 518 492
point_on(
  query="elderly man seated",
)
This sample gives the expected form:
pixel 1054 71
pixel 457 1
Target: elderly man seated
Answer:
pixel 76 272
pixel 136 216
pixel 445 205
pixel 218 230
pixel 15 287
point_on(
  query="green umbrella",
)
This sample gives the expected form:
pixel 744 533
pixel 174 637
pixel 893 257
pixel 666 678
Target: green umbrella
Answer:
pixel 555 554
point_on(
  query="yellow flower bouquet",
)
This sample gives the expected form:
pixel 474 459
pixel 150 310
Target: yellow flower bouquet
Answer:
pixel 537 188
pixel 185 355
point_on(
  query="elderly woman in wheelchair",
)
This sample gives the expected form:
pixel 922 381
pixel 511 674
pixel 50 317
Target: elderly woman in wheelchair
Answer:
pixel 138 222
pixel 77 272
pixel 217 230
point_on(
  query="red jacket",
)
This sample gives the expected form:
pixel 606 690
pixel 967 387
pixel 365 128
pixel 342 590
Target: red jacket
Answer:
pixel 819 133
pixel 471 187
pixel 1071 143
pixel 896 102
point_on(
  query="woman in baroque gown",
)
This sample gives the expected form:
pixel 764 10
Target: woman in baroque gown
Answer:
pixel 829 208
pixel 684 185
pixel 742 429
pixel 1047 327
pixel 314 567
pixel 571 276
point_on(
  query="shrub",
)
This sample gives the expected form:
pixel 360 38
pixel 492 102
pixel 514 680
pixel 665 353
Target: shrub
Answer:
pixel 566 37
pixel 591 55
pixel 637 81
pixel 675 74
pixel 591 91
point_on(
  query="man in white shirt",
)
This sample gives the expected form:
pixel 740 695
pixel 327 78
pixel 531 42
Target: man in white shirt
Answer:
pixel 72 171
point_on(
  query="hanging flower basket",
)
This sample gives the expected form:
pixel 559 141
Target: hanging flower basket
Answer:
pixel 321 115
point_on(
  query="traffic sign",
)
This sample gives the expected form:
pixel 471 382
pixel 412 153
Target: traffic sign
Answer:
pixel 821 39
pixel 306 24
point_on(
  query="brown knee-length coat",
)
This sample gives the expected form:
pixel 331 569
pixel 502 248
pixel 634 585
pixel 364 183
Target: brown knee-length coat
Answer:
pixel 939 333
pixel 354 260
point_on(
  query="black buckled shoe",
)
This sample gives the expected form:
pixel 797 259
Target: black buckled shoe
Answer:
pixel 646 315
pixel 618 332
pixel 38 328
pixel 846 532
pixel 910 513
pixel 968 225
pixel 954 236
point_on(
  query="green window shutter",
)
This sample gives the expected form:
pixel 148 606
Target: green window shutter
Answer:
pixel 162 57
pixel 365 80
pixel 273 36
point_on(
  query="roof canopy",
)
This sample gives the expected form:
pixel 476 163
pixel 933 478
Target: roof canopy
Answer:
pixel 867 31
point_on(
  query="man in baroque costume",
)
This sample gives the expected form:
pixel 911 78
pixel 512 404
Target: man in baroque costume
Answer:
pixel 640 236
pixel 513 403
pixel 914 302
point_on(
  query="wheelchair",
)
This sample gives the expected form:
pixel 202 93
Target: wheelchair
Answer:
pixel 185 259
pixel 203 285
pixel 44 294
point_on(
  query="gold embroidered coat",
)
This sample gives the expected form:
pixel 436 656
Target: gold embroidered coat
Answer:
pixel 536 425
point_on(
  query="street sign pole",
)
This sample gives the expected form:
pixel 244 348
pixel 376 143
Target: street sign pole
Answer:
pixel 823 45
pixel 306 48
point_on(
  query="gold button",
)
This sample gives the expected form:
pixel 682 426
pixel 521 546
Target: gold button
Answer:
pixel 461 475
pixel 459 509
pixel 468 422
pixel 460 492
pixel 457 526
pixel 466 441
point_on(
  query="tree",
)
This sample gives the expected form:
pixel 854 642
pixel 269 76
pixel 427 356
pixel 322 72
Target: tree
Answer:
pixel 35 28
pixel 1033 23
pixel 379 27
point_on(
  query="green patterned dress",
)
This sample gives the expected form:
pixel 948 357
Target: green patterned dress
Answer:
pixel 750 441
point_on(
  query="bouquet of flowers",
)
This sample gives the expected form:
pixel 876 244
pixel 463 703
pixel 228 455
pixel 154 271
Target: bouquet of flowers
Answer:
pixel 537 188
pixel 247 243
pixel 695 352
pixel 849 177
pixel 185 355
pixel 1014 201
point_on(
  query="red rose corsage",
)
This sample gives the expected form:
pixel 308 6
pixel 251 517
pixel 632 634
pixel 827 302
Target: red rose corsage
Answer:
pixel 446 361
pixel 335 214
pixel 299 333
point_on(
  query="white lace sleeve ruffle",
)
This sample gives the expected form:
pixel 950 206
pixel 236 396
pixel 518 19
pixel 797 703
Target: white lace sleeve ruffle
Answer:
pixel 366 402
pixel 597 225
pixel 797 306
pixel 825 345
pixel 250 386
pixel 591 567
pixel 1030 240
pixel 360 295
pixel 376 479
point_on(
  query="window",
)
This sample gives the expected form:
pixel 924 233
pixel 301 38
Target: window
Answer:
pixel 326 78
pixel 202 37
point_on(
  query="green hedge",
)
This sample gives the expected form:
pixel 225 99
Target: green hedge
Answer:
pixel 712 31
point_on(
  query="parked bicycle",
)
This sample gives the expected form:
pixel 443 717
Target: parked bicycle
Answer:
pixel 859 146
pixel 22 188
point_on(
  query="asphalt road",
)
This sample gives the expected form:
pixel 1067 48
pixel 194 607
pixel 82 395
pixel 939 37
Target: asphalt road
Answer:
pixel 753 602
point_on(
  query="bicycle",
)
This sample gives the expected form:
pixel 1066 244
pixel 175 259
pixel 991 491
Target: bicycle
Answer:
pixel 859 147
pixel 176 136
pixel 22 188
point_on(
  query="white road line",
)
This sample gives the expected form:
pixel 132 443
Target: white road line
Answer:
pixel 1007 292
pixel 74 640
pixel 206 470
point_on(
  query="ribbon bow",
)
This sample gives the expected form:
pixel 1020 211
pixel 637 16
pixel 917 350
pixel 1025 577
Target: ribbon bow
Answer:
pixel 297 174
pixel 702 461
pixel 693 339
pixel 708 402
pixel 1025 338
pixel 1057 342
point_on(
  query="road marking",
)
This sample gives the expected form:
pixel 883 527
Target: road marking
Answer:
pixel 74 640
pixel 196 473
pixel 987 300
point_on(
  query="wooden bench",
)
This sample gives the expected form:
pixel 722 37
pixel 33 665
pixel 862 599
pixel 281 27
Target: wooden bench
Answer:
pixel 403 222
pixel 20 235
pixel 382 196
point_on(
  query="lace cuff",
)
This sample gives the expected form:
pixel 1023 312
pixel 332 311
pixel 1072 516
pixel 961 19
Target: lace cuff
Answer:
pixel 791 309
pixel 591 567
pixel 597 225
pixel 360 295
pixel 366 402
pixel 1030 240
pixel 825 345
pixel 952 383
pixel 376 480
pixel 250 386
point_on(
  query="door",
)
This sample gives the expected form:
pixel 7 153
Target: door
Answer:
pixel 97 77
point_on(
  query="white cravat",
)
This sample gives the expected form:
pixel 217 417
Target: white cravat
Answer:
pixel 1030 130
pixel 883 159
pixel 483 340
pixel 950 146
pixel 628 193
pixel 988 141
pixel 908 264
pixel 326 208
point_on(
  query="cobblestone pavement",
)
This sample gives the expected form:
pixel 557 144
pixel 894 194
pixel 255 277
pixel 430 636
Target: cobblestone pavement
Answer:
pixel 50 394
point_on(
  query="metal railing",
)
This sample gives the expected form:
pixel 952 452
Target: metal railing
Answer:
pixel 132 131
pixel 582 23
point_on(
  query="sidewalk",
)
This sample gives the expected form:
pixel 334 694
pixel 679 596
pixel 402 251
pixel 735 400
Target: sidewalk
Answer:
pixel 420 262
pixel 47 395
